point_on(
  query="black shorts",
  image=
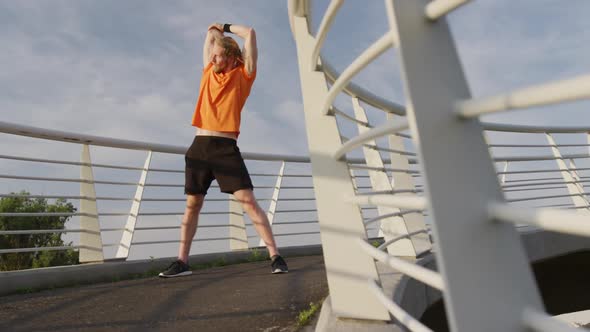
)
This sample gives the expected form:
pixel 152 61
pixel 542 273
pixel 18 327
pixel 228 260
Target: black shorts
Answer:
pixel 211 157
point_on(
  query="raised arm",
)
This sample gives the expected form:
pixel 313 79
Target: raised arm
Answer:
pixel 250 51
pixel 215 30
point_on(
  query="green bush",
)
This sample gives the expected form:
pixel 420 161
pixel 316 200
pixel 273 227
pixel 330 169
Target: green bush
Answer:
pixel 20 203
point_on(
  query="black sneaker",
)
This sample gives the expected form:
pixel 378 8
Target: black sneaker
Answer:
pixel 278 265
pixel 178 268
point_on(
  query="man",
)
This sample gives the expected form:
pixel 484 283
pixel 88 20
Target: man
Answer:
pixel 225 85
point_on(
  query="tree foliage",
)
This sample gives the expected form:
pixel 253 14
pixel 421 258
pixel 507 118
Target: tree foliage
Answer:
pixel 21 203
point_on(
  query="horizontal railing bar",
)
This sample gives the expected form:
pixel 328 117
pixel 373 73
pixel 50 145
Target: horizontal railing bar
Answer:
pixel 538 158
pixel 531 189
pixel 113 229
pixel 537 171
pixel 288 234
pixel 35 178
pixel 548 219
pixel 402 202
pixel 19 250
pixel 542 197
pixel 165 170
pixel 291 211
pixel 383 169
pixel 371 53
pixel 543 183
pixel 391 192
pixel 350 117
pixel 177 227
pixel 370 134
pixel 323 29
pixel 414 271
pixel 533 129
pixel 294 222
pixel 543 94
pixel 177 241
pixel 552 206
pixel 55 135
pixel 46 214
pixel 296 199
pixel 540 322
pixel 437 8
pixel 396 311
pixel 75 163
pixel 533 179
pixel 179 213
pixel 42 231
pixel 536 145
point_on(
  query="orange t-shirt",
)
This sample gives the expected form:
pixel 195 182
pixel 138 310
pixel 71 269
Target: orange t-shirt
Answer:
pixel 221 98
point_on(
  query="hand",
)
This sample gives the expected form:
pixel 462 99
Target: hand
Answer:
pixel 216 26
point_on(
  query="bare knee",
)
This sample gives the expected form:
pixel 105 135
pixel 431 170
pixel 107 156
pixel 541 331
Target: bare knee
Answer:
pixel 194 203
pixel 250 206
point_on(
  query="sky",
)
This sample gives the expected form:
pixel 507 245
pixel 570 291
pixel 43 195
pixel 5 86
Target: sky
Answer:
pixel 131 69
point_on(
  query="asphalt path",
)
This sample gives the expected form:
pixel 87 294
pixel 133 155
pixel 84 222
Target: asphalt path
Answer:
pixel 240 297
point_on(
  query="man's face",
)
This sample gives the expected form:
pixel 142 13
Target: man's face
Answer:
pixel 219 59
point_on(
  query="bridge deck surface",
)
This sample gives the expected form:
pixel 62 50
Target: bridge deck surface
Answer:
pixel 241 297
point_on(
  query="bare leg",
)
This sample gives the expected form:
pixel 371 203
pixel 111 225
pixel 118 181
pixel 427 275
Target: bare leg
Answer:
pixel 194 203
pixel 258 217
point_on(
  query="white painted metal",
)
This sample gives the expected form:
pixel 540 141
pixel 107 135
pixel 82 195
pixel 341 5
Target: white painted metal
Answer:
pixel 270 214
pixel 390 241
pixel 394 226
pixel 347 268
pixel 532 129
pixel 438 8
pixel 405 181
pixel 573 184
pixel 458 192
pixel 129 231
pixel 323 30
pixel 371 53
pixel 545 94
pixel 400 314
pixel 90 239
pixel 411 202
pixel 549 219
pixel 417 272
pixel 354 90
pixel 504 174
pixel 574 171
pixel 541 322
pixel 369 135
pixel 238 238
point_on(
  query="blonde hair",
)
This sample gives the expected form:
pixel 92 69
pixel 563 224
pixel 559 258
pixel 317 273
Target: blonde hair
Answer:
pixel 231 47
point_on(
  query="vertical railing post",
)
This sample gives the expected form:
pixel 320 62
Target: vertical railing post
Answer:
pixel 503 177
pixel 238 238
pixel 347 267
pixel 460 182
pixel 391 227
pixel 129 231
pixel 404 181
pixel 270 214
pixel 90 236
pixel 579 199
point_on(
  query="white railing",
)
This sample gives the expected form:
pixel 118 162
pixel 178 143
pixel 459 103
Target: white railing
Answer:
pixel 472 198
pixel 292 214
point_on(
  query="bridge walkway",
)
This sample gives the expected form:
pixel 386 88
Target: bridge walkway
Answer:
pixel 240 297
